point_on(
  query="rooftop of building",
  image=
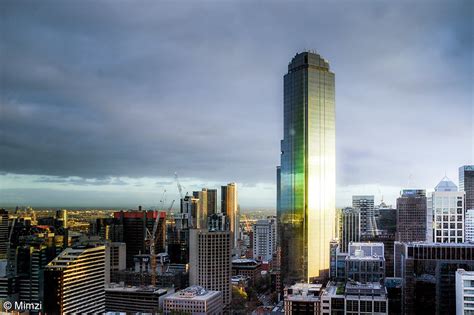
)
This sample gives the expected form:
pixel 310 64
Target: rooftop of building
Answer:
pixel 304 292
pixel 116 287
pixel 446 185
pixel 246 262
pixel 308 58
pixel 465 273
pixel 193 293
pixel 70 254
pixel 438 245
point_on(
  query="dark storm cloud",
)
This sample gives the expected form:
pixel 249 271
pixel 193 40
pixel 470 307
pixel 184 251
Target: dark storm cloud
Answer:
pixel 97 89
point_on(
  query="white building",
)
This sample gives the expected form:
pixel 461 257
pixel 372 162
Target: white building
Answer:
pixel 194 300
pixel 469 225
pixel 264 239
pixel 354 298
pixel 464 292
pixel 446 207
pixel 365 206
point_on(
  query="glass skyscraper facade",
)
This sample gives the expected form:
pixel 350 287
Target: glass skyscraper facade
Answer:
pixel 306 205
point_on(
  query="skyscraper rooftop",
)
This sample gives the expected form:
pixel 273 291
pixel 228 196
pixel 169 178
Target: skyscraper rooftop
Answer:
pixel 446 185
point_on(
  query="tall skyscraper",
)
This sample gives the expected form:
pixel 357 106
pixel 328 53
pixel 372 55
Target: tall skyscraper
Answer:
pixel 446 208
pixel 230 209
pixel 202 212
pixel 306 215
pixel 365 206
pixel 211 201
pixel 210 263
pixel 135 223
pixel 466 184
pixel 75 282
pixel 412 216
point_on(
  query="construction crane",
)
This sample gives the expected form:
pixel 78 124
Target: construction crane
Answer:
pixel 180 188
pixel 150 239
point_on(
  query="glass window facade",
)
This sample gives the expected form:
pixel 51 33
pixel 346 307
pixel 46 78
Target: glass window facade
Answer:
pixel 306 212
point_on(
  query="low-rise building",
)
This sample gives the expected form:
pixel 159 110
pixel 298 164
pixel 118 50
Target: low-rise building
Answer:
pixel 248 268
pixel 354 298
pixel 194 300
pixel 302 298
pixel 128 299
pixel 365 262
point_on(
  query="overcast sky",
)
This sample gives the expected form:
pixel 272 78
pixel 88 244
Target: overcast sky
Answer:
pixel 103 101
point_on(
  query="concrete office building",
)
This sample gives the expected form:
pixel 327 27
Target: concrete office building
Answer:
pixel 464 292
pixel 264 239
pixel 365 206
pixel 446 208
pixel 210 263
pixel 469 225
pixel 75 281
pixel 339 298
pixel 115 258
pixel 365 262
pixel 125 299
pixel 302 298
pixel 194 300
pixel 350 230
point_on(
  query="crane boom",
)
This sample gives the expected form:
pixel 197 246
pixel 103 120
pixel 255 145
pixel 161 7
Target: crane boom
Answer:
pixel 180 188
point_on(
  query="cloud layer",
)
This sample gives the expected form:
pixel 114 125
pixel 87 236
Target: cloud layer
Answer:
pixel 100 89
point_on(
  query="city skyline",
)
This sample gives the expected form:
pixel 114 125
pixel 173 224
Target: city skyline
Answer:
pixel 93 105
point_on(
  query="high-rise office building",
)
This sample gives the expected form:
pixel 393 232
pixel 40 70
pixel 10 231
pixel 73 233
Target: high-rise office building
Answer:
pixel 210 263
pixel 365 206
pixel 229 207
pixel 3 233
pixel 412 216
pixel 61 218
pixel 134 225
pixel 115 259
pixel 307 185
pixel 202 212
pixel 464 292
pixel 264 239
pixel 211 201
pixel 428 272
pixel 466 184
pixel 469 225
pixel 349 228
pixel 446 208
pixel 75 282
